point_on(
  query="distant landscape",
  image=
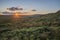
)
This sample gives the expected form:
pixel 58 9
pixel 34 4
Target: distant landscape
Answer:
pixel 30 27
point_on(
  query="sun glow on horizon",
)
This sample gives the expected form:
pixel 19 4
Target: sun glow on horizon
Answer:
pixel 16 15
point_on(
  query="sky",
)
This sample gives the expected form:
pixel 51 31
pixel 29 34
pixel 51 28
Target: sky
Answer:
pixel 39 5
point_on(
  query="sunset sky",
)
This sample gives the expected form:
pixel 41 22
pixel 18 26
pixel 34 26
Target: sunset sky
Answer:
pixel 39 5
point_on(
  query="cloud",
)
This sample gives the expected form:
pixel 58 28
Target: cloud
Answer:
pixel 14 9
pixel 34 10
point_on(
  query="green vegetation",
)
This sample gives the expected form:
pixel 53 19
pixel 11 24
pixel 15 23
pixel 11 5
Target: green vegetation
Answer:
pixel 34 27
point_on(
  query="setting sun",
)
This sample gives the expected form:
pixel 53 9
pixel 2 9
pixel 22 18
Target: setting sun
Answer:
pixel 16 14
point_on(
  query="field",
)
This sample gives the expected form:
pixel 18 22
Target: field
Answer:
pixel 32 27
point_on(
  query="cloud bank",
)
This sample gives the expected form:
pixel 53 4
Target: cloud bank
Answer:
pixel 14 9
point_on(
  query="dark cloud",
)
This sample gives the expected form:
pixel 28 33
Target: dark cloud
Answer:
pixel 34 10
pixel 14 8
